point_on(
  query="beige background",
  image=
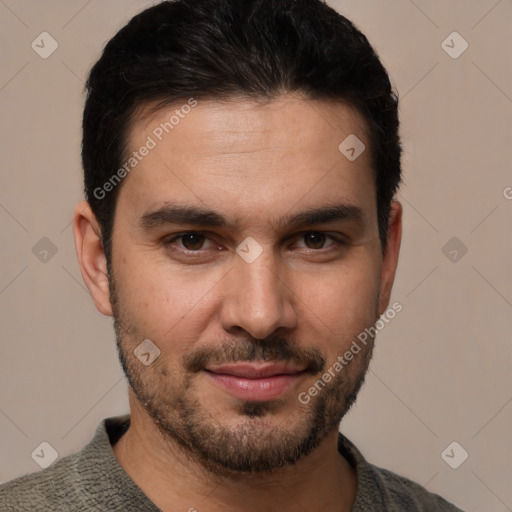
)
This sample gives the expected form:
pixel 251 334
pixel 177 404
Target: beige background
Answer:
pixel 441 372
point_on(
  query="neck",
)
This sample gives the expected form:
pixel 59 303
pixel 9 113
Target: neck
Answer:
pixel 324 480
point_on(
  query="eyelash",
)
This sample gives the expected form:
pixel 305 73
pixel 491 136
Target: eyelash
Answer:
pixel 337 241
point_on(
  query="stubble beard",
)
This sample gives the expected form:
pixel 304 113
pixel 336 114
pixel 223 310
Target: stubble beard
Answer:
pixel 254 444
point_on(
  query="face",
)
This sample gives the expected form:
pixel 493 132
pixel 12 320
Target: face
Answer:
pixel 246 249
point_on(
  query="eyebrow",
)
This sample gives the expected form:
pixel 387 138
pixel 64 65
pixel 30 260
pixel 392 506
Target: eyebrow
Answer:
pixel 197 216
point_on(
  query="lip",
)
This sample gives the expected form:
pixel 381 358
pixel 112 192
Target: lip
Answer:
pixel 255 382
pixel 255 371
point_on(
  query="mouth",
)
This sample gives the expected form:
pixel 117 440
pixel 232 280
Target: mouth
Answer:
pixel 255 382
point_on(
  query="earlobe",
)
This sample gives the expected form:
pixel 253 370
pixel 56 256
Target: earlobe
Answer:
pixel 91 256
pixel 390 259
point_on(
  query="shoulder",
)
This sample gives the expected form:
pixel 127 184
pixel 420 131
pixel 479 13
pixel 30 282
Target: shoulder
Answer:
pixel 74 482
pixel 40 491
pixel 381 490
pixel 407 496
pixel 89 480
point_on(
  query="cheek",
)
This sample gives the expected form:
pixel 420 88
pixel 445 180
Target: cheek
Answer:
pixel 343 301
pixel 163 304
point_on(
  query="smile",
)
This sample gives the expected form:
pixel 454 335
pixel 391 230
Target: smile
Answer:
pixel 255 382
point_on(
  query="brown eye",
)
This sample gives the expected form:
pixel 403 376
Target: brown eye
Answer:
pixel 314 240
pixel 192 241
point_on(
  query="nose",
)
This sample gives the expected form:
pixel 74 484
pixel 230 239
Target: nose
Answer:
pixel 257 299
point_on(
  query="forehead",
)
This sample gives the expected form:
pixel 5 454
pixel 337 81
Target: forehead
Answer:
pixel 242 156
pixel 243 120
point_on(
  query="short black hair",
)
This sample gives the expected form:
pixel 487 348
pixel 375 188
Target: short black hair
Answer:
pixel 225 49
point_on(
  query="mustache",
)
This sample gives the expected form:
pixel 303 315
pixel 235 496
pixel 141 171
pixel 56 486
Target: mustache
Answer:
pixel 274 348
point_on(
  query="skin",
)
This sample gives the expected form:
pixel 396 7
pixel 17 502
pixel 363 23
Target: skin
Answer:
pixel 300 300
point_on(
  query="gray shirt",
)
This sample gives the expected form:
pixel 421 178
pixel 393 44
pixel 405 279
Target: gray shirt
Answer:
pixel 92 480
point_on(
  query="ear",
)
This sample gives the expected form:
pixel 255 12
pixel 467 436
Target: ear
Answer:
pixel 390 258
pixel 91 256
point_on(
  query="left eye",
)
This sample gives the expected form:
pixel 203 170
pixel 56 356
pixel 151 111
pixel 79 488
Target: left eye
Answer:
pixel 190 241
pixel 315 239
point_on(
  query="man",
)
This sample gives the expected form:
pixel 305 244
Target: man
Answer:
pixel 240 160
